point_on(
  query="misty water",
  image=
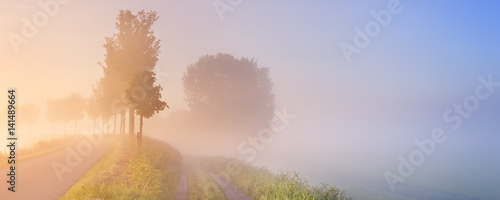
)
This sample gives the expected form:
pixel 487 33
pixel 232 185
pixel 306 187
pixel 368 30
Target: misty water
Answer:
pixel 355 150
pixel 355 156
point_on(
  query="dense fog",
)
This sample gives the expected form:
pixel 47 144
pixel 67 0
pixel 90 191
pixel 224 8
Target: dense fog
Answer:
pixel 407 108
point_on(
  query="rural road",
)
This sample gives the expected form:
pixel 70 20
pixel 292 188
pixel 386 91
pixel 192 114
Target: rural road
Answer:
pixel 51 175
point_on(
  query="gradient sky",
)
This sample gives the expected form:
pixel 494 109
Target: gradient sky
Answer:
pixel 366 112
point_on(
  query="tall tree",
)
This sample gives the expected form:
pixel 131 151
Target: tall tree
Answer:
pixel 145 97
pixel 230 90
pixel 92 105
pixel 109 100
pixel 132 49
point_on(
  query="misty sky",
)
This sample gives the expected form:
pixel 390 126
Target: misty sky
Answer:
pixel 352 117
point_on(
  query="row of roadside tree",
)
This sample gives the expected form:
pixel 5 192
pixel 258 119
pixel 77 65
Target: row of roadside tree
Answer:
pixel 129 83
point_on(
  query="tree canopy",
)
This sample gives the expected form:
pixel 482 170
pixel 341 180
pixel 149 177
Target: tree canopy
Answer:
pixel 230 89
pixel 93 105
pixel 132 49
pixel 65 109
pixel 144 97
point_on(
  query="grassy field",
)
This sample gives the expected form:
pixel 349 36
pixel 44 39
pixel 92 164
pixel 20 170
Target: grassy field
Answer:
pixel 153 170
pixel 130 172
pixel 261 184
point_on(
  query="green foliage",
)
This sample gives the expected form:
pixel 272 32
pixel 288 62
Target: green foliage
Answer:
pixel 144 96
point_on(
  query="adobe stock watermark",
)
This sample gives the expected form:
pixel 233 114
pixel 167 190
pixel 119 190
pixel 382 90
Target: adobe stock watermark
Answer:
pixel 252 145
pixel 138 92
pixel 453 117
pixel 38 20
pixel 161 76
pixel 76 154
pixel 265 136
pixel 363 37
pixel 223 6
pixel 161 79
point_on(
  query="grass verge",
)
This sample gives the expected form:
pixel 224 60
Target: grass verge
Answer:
pixel 261 184
pixel 150 171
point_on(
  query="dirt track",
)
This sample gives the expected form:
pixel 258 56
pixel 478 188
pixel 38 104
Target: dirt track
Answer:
pixel 231 191
pixel 182 189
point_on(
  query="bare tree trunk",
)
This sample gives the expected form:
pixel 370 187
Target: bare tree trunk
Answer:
pixel 114 125
pixel 131 121
pixel 122 122
pixel 103 125
pixel 139 135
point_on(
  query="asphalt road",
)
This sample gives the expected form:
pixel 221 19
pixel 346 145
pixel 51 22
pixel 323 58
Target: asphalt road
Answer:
pixel 50 176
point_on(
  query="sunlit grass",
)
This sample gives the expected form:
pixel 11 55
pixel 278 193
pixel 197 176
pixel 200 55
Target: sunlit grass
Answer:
pixel 129 172
pixel 261 184
pixel 201 186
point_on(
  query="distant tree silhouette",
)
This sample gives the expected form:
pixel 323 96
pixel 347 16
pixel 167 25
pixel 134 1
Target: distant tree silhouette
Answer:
pixel 144 97
pixel 58 111
pixel 63 111
pixel 92 105
pixel 29 114
pixel 52 112
pixel 74 107
pixel 110 99
pixel 231 90
pixel 133 48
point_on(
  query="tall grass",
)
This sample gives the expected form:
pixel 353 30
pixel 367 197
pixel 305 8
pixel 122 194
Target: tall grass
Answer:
pixel 261 184
pixel 130 172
